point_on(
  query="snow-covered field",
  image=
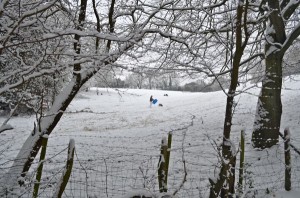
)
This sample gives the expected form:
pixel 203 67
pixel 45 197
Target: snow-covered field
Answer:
pixel 117 138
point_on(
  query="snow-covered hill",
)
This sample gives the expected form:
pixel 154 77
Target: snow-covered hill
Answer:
pixel 117 137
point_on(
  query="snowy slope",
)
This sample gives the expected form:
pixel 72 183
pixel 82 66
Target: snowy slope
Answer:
pixel 117 138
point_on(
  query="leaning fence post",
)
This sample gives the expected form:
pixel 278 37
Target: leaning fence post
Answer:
pixel 287 159
pixel 67 171
pixel 242 159
pixel 40 166
pixel 168 156
pixel 162 170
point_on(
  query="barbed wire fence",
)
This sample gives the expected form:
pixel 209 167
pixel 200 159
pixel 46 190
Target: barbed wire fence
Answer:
pixel 112 166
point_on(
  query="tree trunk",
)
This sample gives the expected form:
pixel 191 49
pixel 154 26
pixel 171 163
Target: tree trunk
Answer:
pixel 150 82
pixel 227 150
pixel 269 108
pixel 170 82
pixel 268 114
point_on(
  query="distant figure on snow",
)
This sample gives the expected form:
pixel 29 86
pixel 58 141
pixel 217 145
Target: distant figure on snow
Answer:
pixel 151 100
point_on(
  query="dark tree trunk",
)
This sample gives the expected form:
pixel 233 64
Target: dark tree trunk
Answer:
pixel 227 150
pixel 150 82
pixel 268 114
pixel 170 82
pixel 269 108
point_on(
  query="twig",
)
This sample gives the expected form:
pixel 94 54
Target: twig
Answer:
pixel 86 175
pixel 6 126
pixel 106 175
pixel 295 149
pixel 184 165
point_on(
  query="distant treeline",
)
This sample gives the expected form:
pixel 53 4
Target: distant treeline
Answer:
pixel 198 86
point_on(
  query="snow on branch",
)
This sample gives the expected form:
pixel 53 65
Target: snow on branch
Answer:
pixel 40 8
pixel 190 8
pixel 3 4
pixel 31 146
pixel 289 9
pixel 291 38
pixel 5 127
pixel 26 78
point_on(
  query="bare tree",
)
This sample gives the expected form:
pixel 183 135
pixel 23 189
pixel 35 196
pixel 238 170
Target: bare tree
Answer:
pixel 121 27
pixel 280 32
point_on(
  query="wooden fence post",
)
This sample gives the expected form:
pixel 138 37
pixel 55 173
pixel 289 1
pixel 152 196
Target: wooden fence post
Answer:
pixel 162 170
pixel 67 171
pixel 168 155
pixel 287 159
pixel 242 159
pixel 163 164
pixel 40 166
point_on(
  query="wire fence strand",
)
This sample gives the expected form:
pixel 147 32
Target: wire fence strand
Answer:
pixel 105 168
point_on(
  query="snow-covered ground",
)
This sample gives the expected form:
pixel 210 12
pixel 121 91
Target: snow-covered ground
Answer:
pixel 117 138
